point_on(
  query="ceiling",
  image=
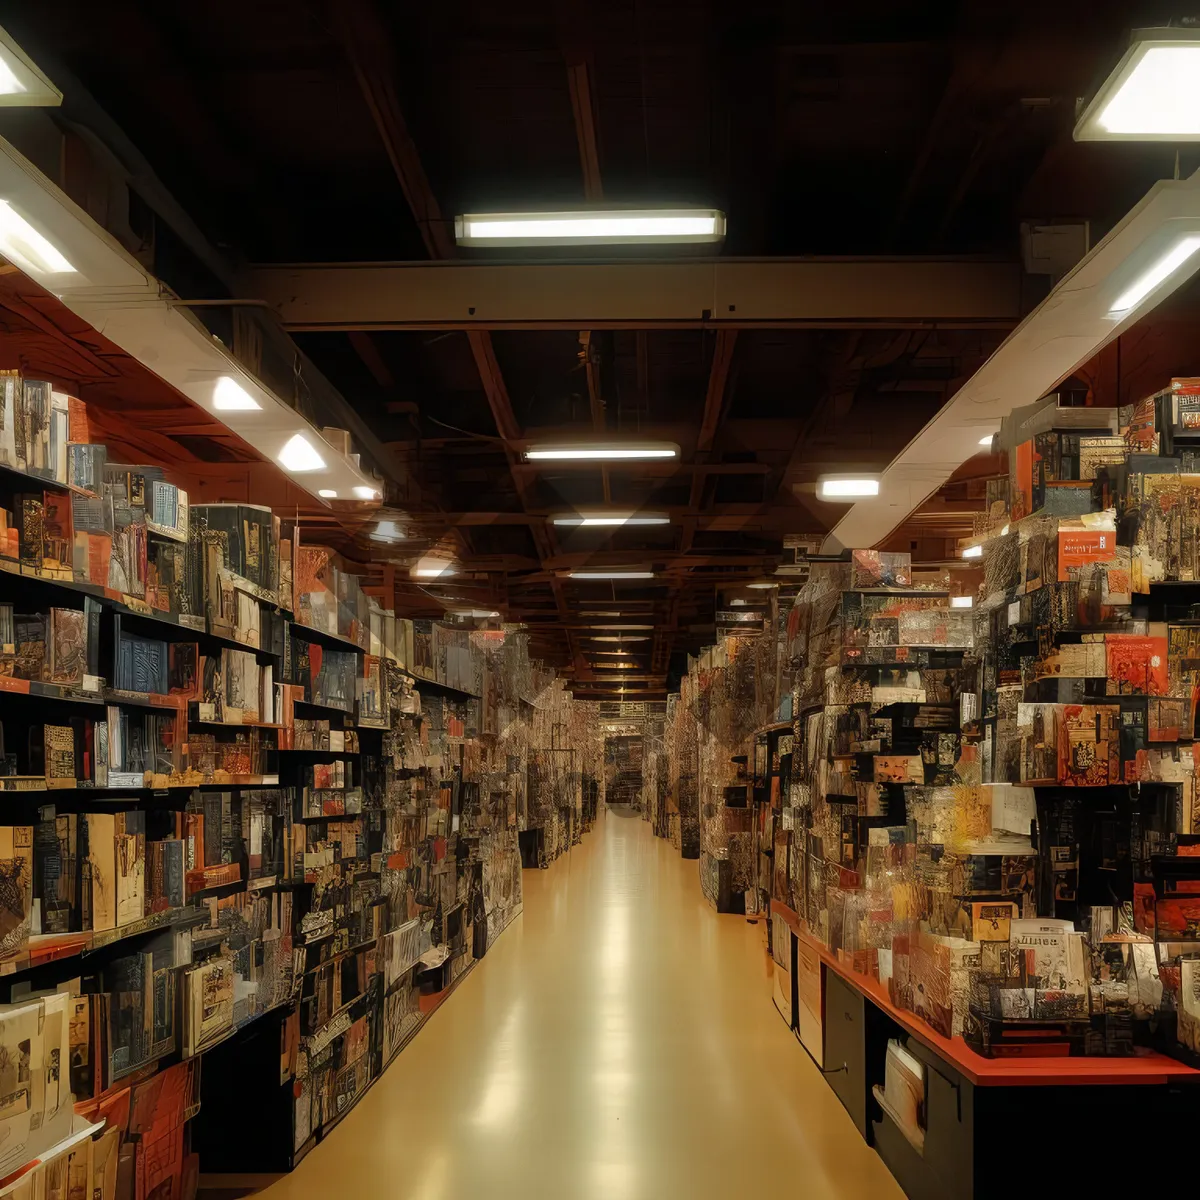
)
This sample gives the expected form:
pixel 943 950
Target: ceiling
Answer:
pixel 353 131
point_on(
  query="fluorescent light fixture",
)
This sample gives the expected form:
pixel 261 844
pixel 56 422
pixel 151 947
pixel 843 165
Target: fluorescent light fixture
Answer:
pixel 612 227
pixel 432 570
pixel 962 601
pixel 973 552
pixel 986 440
pixel 612 666
pixel 365 493
pixel 591 613
pixel 300 455
pixel 847 487
pixel 762 585
pixel 21 82
pixel 616 639
pixel 327 493
pixel 478 614
pixel 1162 270
pixel 587 519
pixel 1151 94
pixel 230 396
pixel 612 574
pixel 601 451
pixel 621 627
pixel 27 248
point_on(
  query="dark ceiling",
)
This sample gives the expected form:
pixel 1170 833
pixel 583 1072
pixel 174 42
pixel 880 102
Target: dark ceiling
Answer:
pixel 354 130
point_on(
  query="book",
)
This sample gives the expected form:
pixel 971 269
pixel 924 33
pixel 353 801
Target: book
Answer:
pixel 130 866
pixel 67 646
pixel 207 999
pixel 101 869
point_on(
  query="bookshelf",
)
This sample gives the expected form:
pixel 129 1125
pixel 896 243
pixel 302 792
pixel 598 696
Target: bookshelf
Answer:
pixel 254 817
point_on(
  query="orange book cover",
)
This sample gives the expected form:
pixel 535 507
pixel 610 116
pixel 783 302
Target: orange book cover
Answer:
pixel 1136 664
pixel 1080 547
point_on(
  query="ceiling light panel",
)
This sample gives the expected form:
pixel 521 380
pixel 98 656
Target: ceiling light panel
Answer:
pixel 1151 94
pixel 598 575
pixel 595 228
pixel 598 519
pixel 588 452
pixel 847 487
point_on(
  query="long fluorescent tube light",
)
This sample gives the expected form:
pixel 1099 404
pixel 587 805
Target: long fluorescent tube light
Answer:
pixel 620 626
pixel 762 585
pixel 612 666
pixel 1162 270
pixel 588 519
pixel 592 613
pixel 973 552
pixel 612 574
pixel 846 487
pixel 300 455
pixel 27 248
pixel 230 396
pixel 21 81
pixel 327 494
pixel 962 601
pixel 1151 94
pixel 479 614
pixel 616 639
pixel 432 572
pixel 601 451
pixel 590 228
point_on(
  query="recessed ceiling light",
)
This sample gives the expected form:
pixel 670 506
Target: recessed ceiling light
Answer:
pixel 590 228
pixel 327 494
pixel 601 451
pixel 973 552
pixel 847 487
pixel 365 493
pixel 1150 94
pixel 300 455
pixel 610 518
pixel 961 601
pixel 612 574
pixel 1163 269
pixel 27 248
pixel 230 396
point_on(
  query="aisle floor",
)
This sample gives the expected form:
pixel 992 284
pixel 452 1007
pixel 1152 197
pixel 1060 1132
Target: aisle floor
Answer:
pixel 617 1042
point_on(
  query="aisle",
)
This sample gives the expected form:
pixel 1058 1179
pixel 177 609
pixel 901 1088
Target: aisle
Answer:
pixel 618 1042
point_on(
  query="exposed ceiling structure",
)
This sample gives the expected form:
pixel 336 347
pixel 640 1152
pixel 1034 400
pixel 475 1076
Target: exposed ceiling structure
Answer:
pixel 875 163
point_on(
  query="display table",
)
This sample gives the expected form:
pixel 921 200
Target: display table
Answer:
pixel 971 1099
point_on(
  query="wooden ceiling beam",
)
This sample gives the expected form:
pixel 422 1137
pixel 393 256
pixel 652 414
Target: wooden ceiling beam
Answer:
pixel 367 42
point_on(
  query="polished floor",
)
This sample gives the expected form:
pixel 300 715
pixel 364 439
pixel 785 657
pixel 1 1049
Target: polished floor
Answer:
pixel 617 1043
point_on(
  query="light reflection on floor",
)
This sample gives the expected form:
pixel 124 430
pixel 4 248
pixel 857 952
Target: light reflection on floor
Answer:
pixel 617 1043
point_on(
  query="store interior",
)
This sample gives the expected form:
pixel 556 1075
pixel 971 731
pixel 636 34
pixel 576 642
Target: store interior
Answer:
pixel 698 509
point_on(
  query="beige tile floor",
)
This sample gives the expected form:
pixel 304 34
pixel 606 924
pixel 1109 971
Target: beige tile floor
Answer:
pixel 617 1043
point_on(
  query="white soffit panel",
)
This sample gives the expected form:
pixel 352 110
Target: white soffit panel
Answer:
pixel 1067 329
pixel 110 290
